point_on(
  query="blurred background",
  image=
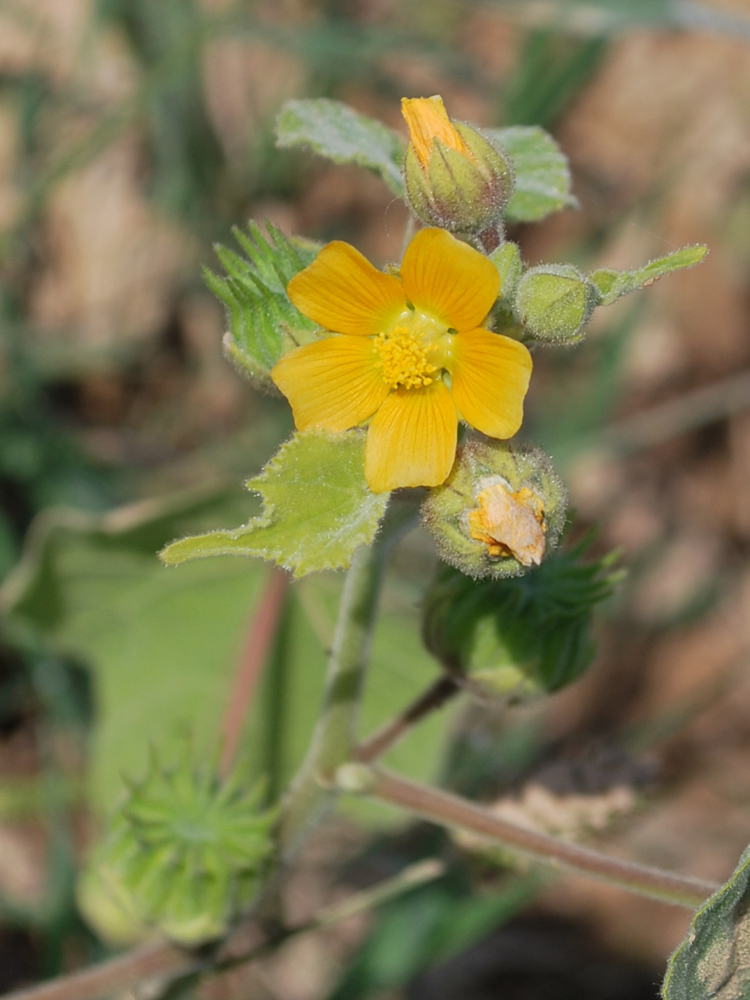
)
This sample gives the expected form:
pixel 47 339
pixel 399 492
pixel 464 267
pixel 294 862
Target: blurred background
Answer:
pixel 133 136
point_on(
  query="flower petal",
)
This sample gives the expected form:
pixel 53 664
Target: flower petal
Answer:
pixel 332 383
pixel 490 378
pixel 449 279
pixel 428 120
pixel 412 439
pixel 343 292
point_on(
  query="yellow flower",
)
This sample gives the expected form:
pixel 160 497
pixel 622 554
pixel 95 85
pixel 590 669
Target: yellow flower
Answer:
pixel 393 341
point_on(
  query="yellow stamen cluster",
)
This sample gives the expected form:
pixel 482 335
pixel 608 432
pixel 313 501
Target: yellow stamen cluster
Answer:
pixel 404 357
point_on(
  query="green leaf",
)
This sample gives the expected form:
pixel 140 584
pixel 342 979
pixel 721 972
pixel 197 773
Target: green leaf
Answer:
pixel 163 646
pixel 713 961
pixel 263 323
pixel 612 284
pixel 334 130
pixel 425 927
pixel 317 508
pixel 542 174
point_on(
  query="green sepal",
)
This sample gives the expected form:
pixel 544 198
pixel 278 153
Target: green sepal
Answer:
pixel 479 463
pixel 542 173
pixel 185 853
pixel 263 323
pixel 507 260
pixel 713 959
pixel 317 508
pixel 612 284
pixel 518 638
pixel 463 193
pixel 554 302
pixel 338 132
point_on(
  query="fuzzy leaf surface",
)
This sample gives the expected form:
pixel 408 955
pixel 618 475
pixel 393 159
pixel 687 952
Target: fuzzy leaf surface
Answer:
pixel 713 961
pixel 338 132
pixel 263 323
pixel 612 284
pixel 542 174
pixel 317 508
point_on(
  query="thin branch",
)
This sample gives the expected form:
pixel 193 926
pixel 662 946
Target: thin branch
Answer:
pixel 392 732
pixel 168 963
pixel 118 974
pixel 449 810
pixel 259 640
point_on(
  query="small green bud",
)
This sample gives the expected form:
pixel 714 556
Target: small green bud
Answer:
pixel 554 303
pixel 185 854
pixel 455 177
pixel 500 510
pixel 518 638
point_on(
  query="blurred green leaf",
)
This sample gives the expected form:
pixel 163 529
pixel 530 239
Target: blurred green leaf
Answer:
pixel 542 174
pixel 612 284
pixel 422 928
pixel 317 508
pixel 713 962
pixel 334 130
pixel 163 644
pixel 553 67
pixel 263 323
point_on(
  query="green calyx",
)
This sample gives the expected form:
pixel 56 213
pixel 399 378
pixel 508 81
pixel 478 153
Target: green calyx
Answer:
pixel 501 510
pixel 554 302
pixel 457 192
pixel 186 853
pixel 519 638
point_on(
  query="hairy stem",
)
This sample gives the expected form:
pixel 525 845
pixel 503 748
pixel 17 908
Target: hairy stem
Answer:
pixel 313 790
pixel 392 732
pixel 450 810
pixel 333 741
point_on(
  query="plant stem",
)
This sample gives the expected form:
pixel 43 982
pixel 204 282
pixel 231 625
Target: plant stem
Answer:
pixel 449 810
pixel 259 641
pixel 168 963
pixel 333 741
pixel 380 742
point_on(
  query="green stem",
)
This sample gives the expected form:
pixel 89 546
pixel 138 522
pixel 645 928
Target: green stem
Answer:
pixel 450 810
pixel 312 792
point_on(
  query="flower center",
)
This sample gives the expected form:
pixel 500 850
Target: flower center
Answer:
pixel 409 354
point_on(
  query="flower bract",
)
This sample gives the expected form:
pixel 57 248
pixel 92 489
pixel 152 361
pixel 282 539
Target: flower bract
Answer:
pixel 409 354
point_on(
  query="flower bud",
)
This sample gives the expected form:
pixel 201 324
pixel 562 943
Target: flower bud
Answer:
pixel 554 302
pixel 500 510
pixel 518 639
pixel 184 854
pixel 455 177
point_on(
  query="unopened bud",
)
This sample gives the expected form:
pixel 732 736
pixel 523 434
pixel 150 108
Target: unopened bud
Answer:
pixel 455 177
pixel 554 303
pixel 185 854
